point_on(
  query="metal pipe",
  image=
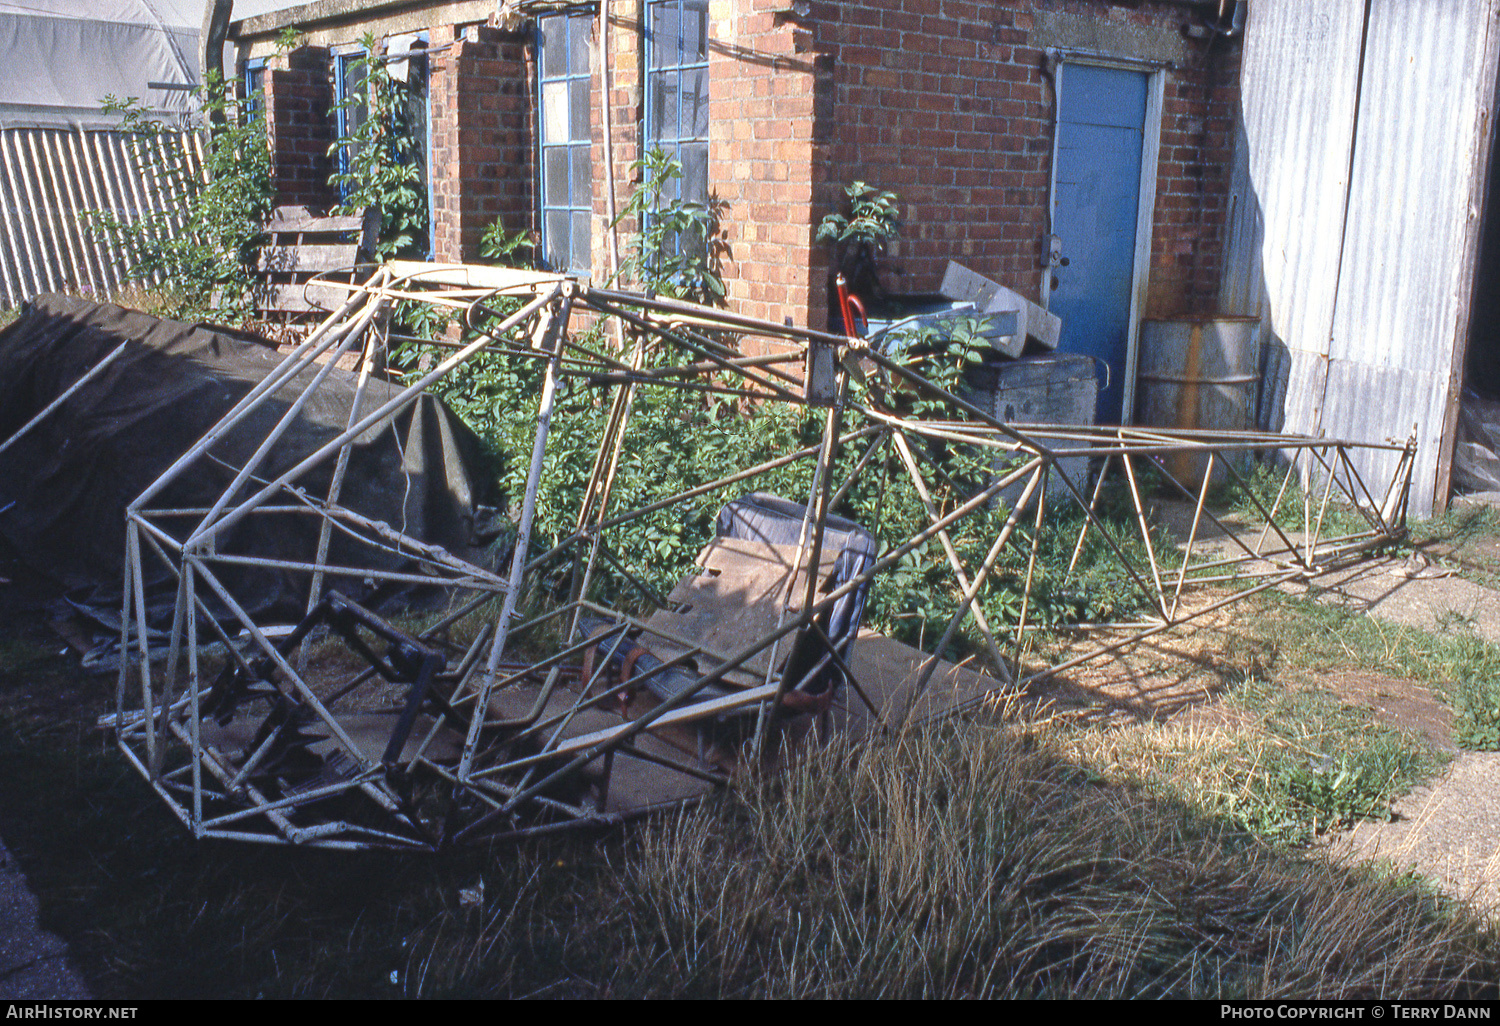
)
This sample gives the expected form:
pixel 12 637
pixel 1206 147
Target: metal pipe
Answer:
pixel 88 376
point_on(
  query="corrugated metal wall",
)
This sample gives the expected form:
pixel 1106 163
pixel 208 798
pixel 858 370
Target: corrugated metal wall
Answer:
pixel 1421 151
pixel 1357 192
pixel 51 178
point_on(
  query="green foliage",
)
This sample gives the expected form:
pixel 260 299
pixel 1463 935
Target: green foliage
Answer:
pixel 1330 766
pixel 381 171
pixel 1266 488
pixel 674 442
pixel 1477 723
pixel 499 246
pixel 860 236
pixel 671 254
pixel 203 242
pixel 871 219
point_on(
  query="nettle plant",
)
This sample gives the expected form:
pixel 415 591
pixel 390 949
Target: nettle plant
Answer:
pixel 204 249
pixel 381 170
pixel 860 236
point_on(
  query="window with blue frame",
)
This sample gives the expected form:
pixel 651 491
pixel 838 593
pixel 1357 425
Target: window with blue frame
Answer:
pixel 253 88
pixel 567 187
pixel 677 92
pixel 409 73
pixel 348 80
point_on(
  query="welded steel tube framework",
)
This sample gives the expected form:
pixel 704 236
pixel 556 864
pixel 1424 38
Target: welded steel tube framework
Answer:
pixel 521 726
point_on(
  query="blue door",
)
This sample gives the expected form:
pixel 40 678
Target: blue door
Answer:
pixel 1096 197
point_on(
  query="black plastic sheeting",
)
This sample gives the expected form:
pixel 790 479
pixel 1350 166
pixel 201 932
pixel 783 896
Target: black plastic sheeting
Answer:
pixel 65 485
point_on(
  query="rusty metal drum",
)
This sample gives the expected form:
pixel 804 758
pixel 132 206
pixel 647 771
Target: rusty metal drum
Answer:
pixel 1197 374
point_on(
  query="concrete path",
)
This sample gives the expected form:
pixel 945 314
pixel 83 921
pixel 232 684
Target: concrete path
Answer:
pixel 1411 591
pixel 1449 830
pixel 33 963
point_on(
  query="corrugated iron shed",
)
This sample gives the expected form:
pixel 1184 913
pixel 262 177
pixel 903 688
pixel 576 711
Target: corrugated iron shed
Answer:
pixel 1359 191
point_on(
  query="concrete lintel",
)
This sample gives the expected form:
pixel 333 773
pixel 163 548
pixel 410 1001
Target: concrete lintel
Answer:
pixel 326 14
pixel 1053 29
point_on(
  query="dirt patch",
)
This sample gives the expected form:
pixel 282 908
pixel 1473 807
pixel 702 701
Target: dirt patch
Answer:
pixel 1404 704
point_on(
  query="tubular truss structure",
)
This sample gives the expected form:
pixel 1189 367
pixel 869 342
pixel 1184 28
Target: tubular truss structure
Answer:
pixel 563 711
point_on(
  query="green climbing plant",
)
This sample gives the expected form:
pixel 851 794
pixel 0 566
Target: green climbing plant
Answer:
pixel 379 144
pixel 202 242
pixel 672 253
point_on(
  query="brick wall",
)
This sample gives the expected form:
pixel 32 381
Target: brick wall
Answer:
pixel 762 86
pixel 483 122
pixel 950 104
pixel 482 125
pixel 762 163
pixel 299 94
pixel 1192 186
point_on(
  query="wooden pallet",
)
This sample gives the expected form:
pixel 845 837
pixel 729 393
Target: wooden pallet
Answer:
pixel 302 244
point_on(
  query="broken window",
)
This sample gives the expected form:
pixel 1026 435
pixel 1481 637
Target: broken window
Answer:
pixel 567 191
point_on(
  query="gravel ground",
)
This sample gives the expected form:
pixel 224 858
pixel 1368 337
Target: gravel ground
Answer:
pixel 33 963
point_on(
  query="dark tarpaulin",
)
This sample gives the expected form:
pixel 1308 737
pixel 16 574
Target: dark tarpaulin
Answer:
pixel 65 485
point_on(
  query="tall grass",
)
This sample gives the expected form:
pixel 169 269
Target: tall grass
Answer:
pixel 978 862
pixel 982 858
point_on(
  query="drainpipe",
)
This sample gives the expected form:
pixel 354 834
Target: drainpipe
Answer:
pixel 1236 19
pixel 1051 61
pixel 216 15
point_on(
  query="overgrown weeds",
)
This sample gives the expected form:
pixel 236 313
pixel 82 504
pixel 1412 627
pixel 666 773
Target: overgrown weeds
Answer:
pixel 979 861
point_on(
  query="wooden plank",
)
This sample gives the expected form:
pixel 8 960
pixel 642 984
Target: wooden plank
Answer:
pixel 315 225
pixel 734 601
pixel 297 298
pixel 306 258
pixel 466 276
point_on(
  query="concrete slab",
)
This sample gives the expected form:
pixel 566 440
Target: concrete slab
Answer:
pixel 33 963
pixel 1446 830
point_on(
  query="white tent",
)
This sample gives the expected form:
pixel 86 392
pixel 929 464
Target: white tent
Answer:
pixel 62 57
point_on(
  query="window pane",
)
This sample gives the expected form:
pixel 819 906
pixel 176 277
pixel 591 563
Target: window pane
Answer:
pixel 695 31
pixel 695 103
pixel 665 35
pixel 695 172
pixel 557 238
pixel 578 43
pixel 672 188
pixel 583 176
pixel 555 176
pixel 578 93
pixel 580 242
pixel 555 112
pixel 662 123
pixel 552 38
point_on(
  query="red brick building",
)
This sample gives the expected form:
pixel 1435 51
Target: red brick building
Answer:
pixel 775 105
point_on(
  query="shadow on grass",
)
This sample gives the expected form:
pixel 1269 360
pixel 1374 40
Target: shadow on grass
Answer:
pixel 967 860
